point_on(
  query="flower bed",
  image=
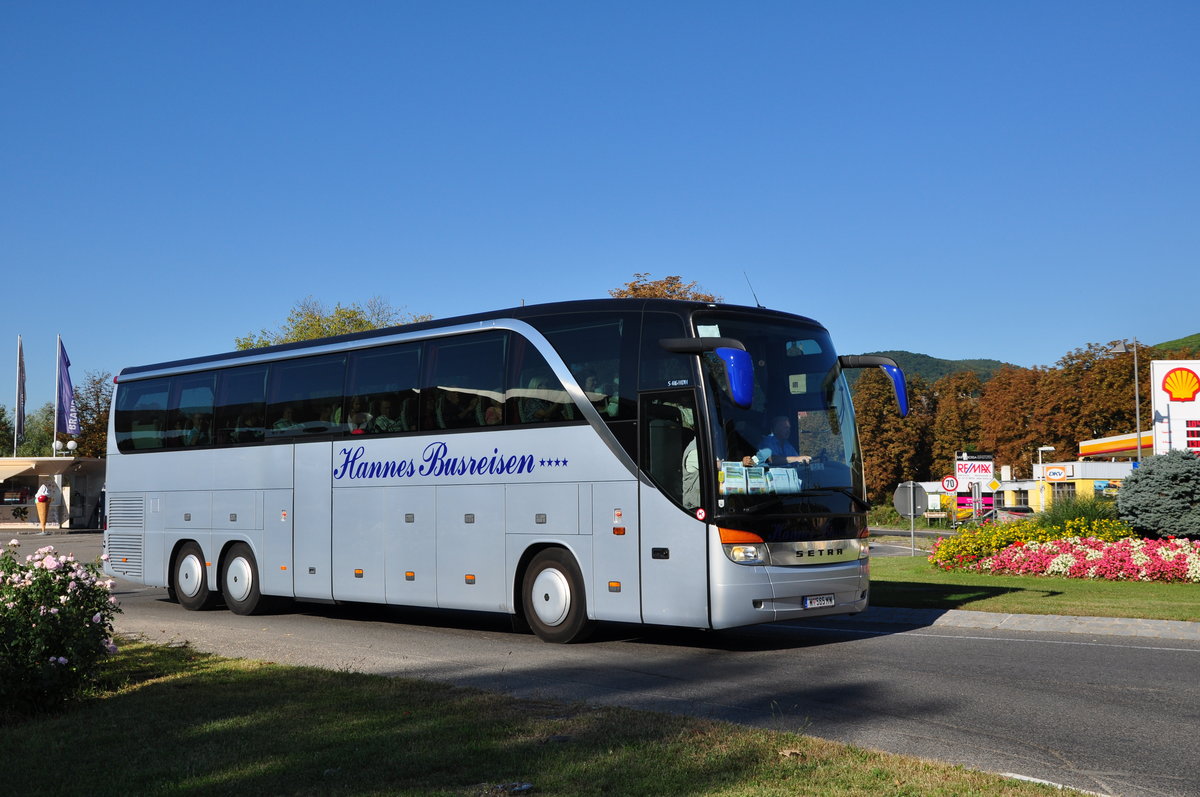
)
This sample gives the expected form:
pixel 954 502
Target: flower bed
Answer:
pixel 972 545
pixel 1130 559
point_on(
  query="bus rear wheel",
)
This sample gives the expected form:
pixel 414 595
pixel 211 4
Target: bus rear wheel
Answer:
pixel 190 582
pixel 553 600
pixel 239 581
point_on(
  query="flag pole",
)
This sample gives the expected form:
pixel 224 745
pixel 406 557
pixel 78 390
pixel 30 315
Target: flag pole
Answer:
pixel 57 388
pixel 17 402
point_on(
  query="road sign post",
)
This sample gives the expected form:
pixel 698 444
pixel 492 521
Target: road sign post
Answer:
pixel 911 500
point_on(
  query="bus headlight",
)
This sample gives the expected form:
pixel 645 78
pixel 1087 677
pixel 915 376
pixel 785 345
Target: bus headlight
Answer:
pixel 746 554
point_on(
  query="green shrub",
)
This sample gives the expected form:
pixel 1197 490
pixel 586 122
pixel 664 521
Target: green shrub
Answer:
pixel 973 543
pixel 55 626
pixel 1162 497
pixel 1085 508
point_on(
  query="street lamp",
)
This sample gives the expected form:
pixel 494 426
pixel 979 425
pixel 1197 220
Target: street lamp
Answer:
pixel 71 446
pixel 1042 478
pixel 1121 348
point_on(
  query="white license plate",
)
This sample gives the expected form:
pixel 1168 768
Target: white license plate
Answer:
pixel 818 601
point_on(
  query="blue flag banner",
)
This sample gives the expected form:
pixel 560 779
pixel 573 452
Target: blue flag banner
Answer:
pixel 68 417
pixel 20 419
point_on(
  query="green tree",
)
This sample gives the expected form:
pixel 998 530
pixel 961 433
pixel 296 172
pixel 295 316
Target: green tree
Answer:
pixel 1160 497
pixel 671 287
pixel 310 319
pixel 93 397
pixel 39 432
pixel 6 433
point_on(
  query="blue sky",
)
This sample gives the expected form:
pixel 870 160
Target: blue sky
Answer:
pixel 1008 180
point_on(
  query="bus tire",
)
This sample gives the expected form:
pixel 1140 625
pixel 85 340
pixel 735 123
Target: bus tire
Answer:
pixel 189 579
pixel 553 599
pixel 239 581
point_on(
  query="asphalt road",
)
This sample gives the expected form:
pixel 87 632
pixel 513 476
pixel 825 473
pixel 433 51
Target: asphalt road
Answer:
pixel 1106 714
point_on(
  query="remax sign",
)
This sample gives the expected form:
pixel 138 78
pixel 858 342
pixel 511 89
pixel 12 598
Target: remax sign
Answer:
pixel 973 466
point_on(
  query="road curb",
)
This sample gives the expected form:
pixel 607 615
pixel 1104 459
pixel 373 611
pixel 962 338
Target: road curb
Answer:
pixel 1058 623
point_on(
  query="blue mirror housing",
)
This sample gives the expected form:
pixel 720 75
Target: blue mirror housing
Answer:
pixel 889 367
pixel 898 384
pixel 739 371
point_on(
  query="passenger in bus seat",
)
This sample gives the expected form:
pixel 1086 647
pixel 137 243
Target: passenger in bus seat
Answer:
pixel 384 422
pixel 535 406
pixel 455 410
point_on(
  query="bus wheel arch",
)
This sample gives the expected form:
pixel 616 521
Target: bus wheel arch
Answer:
pixel 189 577
pixel 552 597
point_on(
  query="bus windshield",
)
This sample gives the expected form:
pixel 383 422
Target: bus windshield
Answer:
pixel 797 439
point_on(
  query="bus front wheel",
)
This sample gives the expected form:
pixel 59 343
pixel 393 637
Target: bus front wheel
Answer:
pixel 553 599
pixel 190 583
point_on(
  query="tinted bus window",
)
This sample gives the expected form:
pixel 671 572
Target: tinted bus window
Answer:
pixel 385 382
pixel 141 415
pixel 241 405
pixel 465 383
pixel 191 410
pixel 536 394
pixel 305 397
pixel 660 368
pixel 601 352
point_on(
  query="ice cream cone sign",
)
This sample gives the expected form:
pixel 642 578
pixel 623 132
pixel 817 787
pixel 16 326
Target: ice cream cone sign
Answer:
pixel 45 496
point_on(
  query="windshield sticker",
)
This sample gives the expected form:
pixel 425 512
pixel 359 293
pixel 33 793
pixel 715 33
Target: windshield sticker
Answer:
pixel 734 478
pixel 437 460
pixel 798 383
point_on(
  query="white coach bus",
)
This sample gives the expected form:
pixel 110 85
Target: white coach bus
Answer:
pixel 644 461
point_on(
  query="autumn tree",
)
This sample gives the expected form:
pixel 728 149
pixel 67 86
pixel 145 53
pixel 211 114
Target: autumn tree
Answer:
pixel 311 319
pixel 894 449
pixel 672 287
pixel 1006 418
pixel 956 424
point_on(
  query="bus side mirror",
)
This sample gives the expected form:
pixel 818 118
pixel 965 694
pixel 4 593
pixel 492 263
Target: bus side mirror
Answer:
pixel 739 368
pixel 889 367
pixel 739 374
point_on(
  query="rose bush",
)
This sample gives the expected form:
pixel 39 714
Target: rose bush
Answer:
pixel 56 625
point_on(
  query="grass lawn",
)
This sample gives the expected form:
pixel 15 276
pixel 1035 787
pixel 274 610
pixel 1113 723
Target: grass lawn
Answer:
pixel 912 582
pixel 173 721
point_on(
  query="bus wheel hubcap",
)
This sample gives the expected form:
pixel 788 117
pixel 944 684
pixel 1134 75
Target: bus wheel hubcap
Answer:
pixel 237 579
pixel 551 597
pixel 188 579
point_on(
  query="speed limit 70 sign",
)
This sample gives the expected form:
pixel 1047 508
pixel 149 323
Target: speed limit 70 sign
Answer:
pixel 949 484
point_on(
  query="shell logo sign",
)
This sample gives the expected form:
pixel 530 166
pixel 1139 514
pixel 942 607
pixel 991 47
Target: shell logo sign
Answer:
pixel 1175 389
pixel 1181 384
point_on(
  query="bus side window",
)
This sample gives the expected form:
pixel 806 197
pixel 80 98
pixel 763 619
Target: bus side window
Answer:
pixel 241 405
pixel 305 397
pixel 535 394
pixel 141 415
pixel 385 381
pixel 464 384
pixel 191 410
pixel 669 454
